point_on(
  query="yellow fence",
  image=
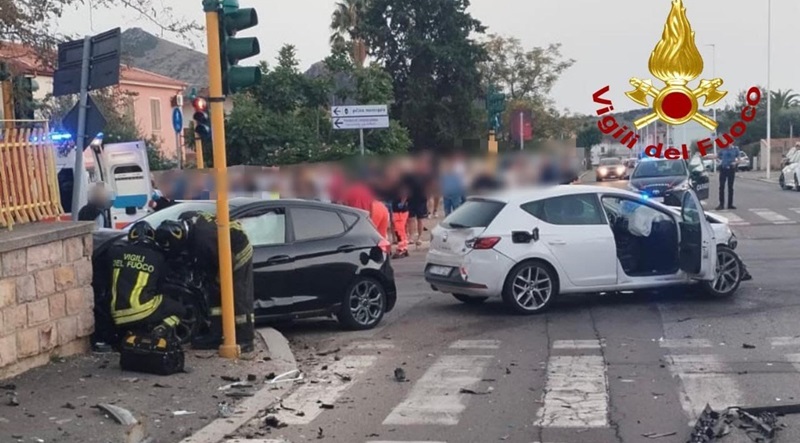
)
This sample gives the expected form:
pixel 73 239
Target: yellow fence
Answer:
pixel 28 184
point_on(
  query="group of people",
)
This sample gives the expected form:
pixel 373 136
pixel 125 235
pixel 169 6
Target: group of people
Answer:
pixel 136 301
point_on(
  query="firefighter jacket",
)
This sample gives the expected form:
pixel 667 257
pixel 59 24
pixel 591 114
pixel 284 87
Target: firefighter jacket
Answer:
pixel 136 273
pixel 203 244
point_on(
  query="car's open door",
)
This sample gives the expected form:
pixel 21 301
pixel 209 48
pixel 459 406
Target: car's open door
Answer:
pixel 698 255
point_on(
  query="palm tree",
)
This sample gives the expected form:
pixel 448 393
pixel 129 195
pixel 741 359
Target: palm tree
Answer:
pixel 785 99
pixel 345 22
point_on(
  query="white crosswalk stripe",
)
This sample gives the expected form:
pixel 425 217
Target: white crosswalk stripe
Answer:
pixel 677 343
pixel 784 341
pixel 704 381
pixel 733 219
pixel 475 344
pixel 578 344
pixel 377 344
pixel 772 216
pixel 306 400
pixel 435 398
pixel 576 393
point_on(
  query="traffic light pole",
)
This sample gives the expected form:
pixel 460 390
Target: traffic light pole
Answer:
pixel 229 348
pixel 198 150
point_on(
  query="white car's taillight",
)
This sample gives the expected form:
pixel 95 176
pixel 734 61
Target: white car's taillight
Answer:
pixel 482 242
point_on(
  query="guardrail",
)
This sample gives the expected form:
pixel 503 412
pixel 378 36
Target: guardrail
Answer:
pixel 28 185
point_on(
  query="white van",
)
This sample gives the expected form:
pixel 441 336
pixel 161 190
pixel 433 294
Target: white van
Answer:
pixel 124 168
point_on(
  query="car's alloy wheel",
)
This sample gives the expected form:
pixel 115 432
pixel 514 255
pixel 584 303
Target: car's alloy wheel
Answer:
pixel 470 299
pixel 729 273
pixel 530 287
pixel 364 304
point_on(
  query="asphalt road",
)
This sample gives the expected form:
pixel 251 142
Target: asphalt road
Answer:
pixel 594 369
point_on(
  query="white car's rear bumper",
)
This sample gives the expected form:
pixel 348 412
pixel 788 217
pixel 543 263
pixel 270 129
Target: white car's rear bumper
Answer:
pixel 479 272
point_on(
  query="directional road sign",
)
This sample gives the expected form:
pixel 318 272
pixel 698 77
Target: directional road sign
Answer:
pixel 378 122
pixel 360 111
pixel 177 119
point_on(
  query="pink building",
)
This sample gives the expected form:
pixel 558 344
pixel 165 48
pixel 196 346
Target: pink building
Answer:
pixel 151 107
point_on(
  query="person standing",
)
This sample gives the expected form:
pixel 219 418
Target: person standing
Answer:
pixel 728 162
pixel 452 186
pixel 400 210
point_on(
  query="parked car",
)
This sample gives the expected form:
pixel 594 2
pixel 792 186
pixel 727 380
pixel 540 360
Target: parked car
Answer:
pixel 709 161
pixel 611 168
pixel 310 259
pixel 530 246
pixel 790 174
pixel 665 180
pixel 744 163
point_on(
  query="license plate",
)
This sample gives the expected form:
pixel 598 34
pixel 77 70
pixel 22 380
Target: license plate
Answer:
pixel 443 271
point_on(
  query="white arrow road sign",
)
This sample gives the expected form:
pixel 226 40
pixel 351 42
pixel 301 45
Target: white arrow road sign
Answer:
pixel 360 111
pixel 361 122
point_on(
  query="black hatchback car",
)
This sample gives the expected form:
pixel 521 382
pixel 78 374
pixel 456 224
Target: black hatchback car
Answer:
pixel 665 180
pixel 310 259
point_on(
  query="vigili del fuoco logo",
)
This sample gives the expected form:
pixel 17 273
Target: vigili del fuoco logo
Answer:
pixel 677 62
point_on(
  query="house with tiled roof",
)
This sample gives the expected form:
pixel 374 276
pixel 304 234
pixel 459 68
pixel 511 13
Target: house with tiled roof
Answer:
pixel 151 93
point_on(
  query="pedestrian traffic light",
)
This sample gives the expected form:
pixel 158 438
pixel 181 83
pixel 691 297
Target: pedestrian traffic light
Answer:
pixel 232 19
pixel 202 124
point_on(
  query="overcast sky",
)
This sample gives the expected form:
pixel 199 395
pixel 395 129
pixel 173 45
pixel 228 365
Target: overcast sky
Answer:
pixel 610 40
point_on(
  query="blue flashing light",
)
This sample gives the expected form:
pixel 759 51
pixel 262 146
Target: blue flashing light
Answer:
pixel 60 136
pixel 645 197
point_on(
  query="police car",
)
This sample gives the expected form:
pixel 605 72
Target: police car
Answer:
pixel 665 180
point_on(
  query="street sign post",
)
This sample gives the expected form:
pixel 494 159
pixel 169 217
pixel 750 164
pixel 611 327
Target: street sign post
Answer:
pixel 83 66
pixel 360 117
pixel 177 125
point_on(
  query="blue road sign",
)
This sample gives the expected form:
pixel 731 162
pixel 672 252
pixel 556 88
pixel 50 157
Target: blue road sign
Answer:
pixel 177 119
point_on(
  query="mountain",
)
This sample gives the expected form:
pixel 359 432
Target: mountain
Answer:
pixel 143 50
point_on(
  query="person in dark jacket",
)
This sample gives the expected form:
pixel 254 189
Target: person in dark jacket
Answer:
pixel 199 229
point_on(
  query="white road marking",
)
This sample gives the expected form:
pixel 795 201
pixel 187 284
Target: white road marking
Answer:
pixel 435 398
pixel 772 217
pixel 794 359
pixel 241 440
pixel 576 394
pixel 402 441
pixel 797 210
pixel 678 343
pixel 784 341
pixel 733 219
pixel 308 397
pixel 579 344
pixel 475 344
pixel 704 382
pixel 377 344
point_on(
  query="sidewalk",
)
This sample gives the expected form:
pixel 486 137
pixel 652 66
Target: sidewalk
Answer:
pixel 57 402
pixel 759 176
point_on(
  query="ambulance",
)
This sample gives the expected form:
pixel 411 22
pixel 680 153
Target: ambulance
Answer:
pixel 125 171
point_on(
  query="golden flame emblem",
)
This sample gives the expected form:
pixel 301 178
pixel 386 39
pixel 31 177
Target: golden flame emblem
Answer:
pixel 676 61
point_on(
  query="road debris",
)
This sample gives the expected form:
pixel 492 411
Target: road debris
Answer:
pixel 13 400
pixel 343 377
pixel 400 374
pixel 320 434
pixel 272 421
pixel 120 415
pixel 238 384
pixel 473 392
pixel 748 346
pixel 329 352
pixel 224 410
pixel 758 424
pixel 68 405
pixel 293 375
pixel 326 405
pixel 182 412
pixel 655 435
pixel 230 378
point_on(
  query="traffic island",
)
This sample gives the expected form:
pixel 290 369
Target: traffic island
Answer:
pixel 68 400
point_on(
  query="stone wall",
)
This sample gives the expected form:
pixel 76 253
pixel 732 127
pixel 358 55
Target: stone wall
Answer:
pixel 46 297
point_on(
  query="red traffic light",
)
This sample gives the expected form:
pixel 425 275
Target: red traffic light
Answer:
pixel 200 104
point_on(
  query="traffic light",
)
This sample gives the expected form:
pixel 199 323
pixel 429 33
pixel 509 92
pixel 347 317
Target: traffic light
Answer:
pixel 232 49
pixel 202 124
pixel 495 106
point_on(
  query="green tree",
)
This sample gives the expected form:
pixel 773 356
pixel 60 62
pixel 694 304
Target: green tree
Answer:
pixel 522 73
pixel 427 47
pixel 346 29
pixel 589 136
pixel 785 99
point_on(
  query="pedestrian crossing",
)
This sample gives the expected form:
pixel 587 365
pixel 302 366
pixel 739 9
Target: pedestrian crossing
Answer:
pixel 760 216
pixel 576 394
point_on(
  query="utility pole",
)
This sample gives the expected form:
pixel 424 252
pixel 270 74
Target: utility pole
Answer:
pixel 769 91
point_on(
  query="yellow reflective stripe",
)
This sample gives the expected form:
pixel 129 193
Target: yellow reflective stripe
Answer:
pixel 172 321
pixel 133 315
pixel 242 257
pixel 241 319
pixel 136 294
pixel 216 312
pixel 114 289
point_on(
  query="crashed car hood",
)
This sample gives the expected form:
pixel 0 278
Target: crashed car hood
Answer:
pixel 101 237
pixel 657 182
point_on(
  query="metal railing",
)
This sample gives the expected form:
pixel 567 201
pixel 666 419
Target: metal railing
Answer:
pixel 28 184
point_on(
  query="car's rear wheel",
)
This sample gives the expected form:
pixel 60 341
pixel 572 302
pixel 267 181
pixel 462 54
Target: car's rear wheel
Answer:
pixel 470 299
pixel 364 304
pixel 530 287
pixel 796 183
pixel 728 276
pixel 782 182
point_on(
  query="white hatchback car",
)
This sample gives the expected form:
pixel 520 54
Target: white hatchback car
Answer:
pixel 530 246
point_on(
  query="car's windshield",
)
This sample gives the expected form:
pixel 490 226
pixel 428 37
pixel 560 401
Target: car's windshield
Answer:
pixel 660 168
pixel 610 162
pixel 173 212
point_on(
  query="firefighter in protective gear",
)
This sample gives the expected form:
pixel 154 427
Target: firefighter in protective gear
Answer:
pixel 136 300
pixel 202 244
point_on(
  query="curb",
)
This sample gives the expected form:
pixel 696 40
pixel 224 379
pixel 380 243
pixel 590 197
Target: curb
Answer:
pixel 282 356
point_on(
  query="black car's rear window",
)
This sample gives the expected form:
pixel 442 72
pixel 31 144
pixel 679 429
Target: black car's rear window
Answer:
pixel 660 168
pixel 474 214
